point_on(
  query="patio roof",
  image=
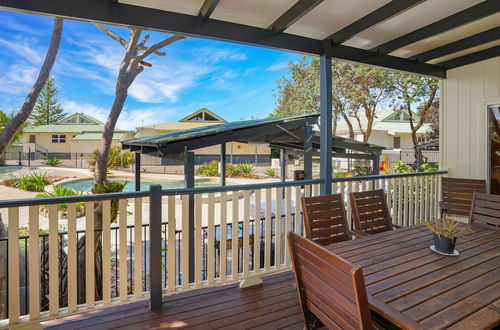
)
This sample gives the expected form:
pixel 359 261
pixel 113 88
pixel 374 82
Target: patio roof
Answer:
pixel 284 132
pixel 421 36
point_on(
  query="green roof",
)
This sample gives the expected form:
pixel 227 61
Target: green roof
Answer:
pixel 95 136
pixel 209 130
pixel 75 128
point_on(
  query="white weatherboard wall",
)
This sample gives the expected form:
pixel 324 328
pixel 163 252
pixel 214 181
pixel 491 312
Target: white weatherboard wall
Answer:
pixel 465 95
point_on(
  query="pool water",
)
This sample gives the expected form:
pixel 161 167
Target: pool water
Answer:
pixel 86 184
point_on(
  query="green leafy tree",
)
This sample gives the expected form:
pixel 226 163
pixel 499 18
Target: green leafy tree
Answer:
pixel 6 119
pixel 418 95
pixel 48 109
pixel 355 88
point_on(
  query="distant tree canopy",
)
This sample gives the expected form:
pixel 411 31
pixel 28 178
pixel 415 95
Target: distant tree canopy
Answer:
pixel 5 119
pixel 48 109
pixel 357 89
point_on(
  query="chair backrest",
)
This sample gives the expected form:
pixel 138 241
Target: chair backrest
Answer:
pixel 331 289
pixel 486 210
pixel 325 219
pixel 370 212
pixel 458 193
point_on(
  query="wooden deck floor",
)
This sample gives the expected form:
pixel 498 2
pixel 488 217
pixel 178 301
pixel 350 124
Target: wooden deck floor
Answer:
pixel 273 305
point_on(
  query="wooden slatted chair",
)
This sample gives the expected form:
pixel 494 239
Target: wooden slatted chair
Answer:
pixel 370 212
pixel 485 210
pixel 331 290
pixel 325 219
pixel 458 194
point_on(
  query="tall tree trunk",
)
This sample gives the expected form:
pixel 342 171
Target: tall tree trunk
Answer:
pixel 349 125
pixel 22 116
pixel 417 151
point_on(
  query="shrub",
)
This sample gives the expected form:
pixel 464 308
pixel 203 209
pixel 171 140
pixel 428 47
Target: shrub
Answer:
pixel 52 162
pixel 60 191
pixel 361 170
pixel 400 167
pixel 110 187
pixel 428 168
pixel 233 171
pixel 270 172
pixel 118 157
pixel 209 169
pixel 246 168
pixel 343 175
pixel 33 182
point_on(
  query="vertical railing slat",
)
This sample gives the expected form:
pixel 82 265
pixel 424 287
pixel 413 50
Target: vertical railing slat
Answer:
pixel 198 198
pixel 288 222
pixel 171 246
pixel 246 232
pixel 106 252
pixel 421 215
pixel 122 251
pixel 13 264
pixel 223 236
pixel 72 255
pixel 257 231
pixel 298 211
pixel 277 227
pixel 89 255
pixel 234 234
pixel 267 232
pixel 400 201
pixel 54 260
pixel 406 193
pixel 185 241
pixel 137 247
pixel 210 239
pixel 34 261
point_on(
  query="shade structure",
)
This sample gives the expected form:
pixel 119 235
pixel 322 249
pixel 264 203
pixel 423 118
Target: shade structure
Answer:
pixel 421 36
pixel 284 132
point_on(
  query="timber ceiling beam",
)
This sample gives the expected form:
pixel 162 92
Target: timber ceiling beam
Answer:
pixel 207 8
pixel 471 14
pixel 292 15
pixel 374 18
pixel 462 44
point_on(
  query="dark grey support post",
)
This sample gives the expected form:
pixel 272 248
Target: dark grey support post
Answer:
pixel 376 169
pixel 155 246
pixel 325 70
pixel 283 165
pixel 376 164
pixel 223 164
pixel 189 181
pixel 137 171
pixel 308 153
pixel 29 157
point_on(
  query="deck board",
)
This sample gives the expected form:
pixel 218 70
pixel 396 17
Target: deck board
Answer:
pixel 272 305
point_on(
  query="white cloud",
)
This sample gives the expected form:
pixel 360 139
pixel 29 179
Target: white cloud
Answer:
pixel 18 79
pixel 23 49
pixel 129 119
pixel 277 66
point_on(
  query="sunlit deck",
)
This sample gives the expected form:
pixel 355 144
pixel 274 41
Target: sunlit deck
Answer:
pixel 272 305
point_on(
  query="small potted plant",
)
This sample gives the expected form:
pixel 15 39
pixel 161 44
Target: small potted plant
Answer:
pixel 445 232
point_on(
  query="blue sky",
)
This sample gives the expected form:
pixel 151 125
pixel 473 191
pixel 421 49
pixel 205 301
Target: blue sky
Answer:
pixel 234 81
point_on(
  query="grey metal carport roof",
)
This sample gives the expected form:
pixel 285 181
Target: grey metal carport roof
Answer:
pixel 283 132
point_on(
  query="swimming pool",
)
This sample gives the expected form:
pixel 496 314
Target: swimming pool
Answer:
pixel 86 184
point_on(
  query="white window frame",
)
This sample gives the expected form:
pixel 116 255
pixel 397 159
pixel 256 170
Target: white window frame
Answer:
pixel 58 138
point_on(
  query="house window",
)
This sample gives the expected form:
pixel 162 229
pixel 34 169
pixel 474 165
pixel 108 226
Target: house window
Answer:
pixel 32 139
pixel 397 142
pixel 57 138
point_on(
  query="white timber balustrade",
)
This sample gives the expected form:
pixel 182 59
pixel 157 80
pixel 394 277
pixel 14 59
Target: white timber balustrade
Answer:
pixel 93 251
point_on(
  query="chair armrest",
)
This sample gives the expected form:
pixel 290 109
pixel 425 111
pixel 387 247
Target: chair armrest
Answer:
pixel 358 233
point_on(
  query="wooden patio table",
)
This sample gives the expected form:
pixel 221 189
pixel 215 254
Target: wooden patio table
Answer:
pixel 432 291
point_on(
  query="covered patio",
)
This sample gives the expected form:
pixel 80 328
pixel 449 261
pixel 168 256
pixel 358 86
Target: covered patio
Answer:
pixel 194 279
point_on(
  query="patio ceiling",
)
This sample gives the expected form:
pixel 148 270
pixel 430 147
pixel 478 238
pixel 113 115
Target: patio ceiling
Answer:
pixel 421 36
